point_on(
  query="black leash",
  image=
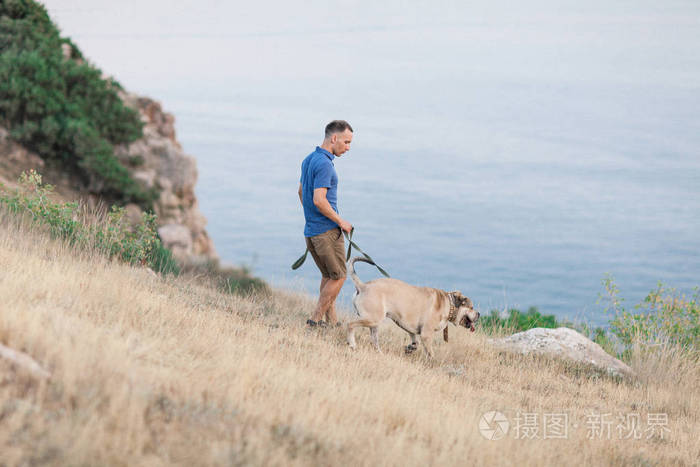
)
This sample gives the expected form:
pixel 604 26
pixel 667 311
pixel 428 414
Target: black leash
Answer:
pixel 351 245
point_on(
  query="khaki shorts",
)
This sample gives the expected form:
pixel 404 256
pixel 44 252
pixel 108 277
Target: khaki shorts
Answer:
pixel 328 251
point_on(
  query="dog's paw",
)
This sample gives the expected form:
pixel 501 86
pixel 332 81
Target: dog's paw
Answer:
pixel 409 349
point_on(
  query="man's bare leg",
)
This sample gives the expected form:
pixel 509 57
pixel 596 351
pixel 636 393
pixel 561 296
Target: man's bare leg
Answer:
pixel 330 315
pixel 329 290
pixel 324 281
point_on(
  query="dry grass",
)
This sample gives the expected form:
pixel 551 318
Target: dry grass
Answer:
pixel 153 371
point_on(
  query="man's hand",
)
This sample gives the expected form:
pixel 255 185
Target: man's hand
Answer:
pixel 345 226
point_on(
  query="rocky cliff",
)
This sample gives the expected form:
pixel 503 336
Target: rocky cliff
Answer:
pixel 155 161
pixel 158 161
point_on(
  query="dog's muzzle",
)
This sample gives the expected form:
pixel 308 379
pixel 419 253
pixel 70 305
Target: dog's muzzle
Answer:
pixel 467 323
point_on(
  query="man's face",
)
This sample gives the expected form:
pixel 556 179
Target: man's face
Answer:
pixel 341 142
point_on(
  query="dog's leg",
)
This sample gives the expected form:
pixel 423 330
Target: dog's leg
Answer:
pixel 371 315
pixel 426 338
pixel 351 335
pixel 413 346
pixel 374 335
pixel 351 329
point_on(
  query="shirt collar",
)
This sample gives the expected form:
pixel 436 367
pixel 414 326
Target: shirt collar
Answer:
pixel 324 152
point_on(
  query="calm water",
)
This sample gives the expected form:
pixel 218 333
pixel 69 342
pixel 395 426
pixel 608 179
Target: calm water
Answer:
pixel 517 155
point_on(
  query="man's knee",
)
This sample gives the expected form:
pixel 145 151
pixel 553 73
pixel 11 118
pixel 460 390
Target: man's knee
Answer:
pixel 335 283
pixel 338 282
pixel 334 273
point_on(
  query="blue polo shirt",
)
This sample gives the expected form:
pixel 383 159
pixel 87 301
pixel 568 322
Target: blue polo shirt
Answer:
pixel 318 171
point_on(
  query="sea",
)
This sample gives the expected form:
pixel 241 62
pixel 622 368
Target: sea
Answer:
pixel 519 153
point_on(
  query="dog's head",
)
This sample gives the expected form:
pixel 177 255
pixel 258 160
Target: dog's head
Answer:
pixel 466 314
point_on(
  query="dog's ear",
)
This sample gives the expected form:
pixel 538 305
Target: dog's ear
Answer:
pixel 461 300
pixel 467 301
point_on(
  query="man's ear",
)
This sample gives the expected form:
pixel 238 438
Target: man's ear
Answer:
pixel 334 138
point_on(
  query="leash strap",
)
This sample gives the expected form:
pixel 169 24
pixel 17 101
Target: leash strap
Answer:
pixel 300 261
pixel 351 245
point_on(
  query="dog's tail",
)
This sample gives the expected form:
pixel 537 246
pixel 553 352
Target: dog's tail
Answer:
pixel 359 285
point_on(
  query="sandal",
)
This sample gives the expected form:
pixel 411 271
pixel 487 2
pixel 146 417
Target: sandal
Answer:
pixel 312 324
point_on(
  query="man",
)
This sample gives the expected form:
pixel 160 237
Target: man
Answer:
pixel 323 231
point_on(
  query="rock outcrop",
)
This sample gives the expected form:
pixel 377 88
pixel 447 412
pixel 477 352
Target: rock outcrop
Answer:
pixel 155 161
pixel 158 161
pixel 563 343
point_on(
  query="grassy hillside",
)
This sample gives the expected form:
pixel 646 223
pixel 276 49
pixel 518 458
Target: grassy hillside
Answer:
pixel 153 371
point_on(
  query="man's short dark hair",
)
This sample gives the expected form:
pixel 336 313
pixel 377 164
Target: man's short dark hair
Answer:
pixel 337 126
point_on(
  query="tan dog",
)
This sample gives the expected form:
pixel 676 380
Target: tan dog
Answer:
pixel 420 311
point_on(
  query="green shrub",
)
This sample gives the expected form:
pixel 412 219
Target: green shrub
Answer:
pixel 599 335
pixel 136 161
pixel 61 108
pixel 239 281
pixel 664 317
pixel 517 321
pixel 161 260
pixel 110 235
pixel 233 280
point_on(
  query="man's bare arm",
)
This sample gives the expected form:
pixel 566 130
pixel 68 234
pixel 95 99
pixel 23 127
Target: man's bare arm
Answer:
pixel 321 202
pixel 301 200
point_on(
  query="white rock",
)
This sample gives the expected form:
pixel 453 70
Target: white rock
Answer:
pixel 164 184
pixel 146 178
pixel 563 343
pixel 175 235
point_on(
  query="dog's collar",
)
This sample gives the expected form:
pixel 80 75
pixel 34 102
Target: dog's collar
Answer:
pixel 453 309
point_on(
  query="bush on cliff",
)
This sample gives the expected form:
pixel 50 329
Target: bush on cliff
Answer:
pixel 62 108
pixel 109 234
